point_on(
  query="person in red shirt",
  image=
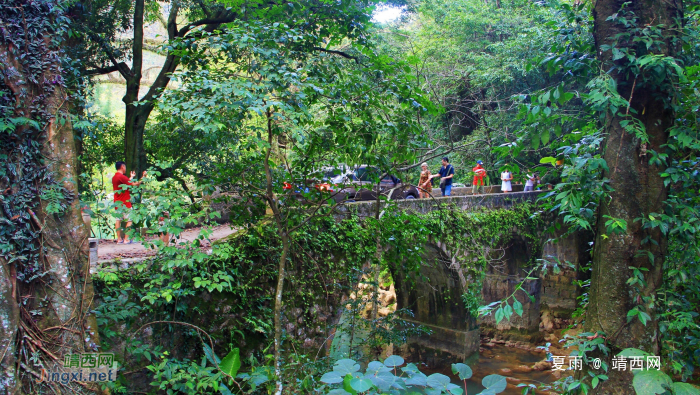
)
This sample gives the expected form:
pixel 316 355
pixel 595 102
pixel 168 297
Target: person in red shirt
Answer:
pixel 479 173
pixel 123 195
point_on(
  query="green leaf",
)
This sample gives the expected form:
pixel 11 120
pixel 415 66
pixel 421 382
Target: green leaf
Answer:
pixel 463 371
pixel 393 361
pixel 494 383
pixel 651 382
pixel 438 380
pixel 643 317
pixel 684 389
pixel 499 315
pixel 231 363
pixel 332 378
pixel 346 366
pixel 508 311
pixel 632 352
pixel 518 307
pixel 361 385
pixel 455 389
pixel 346 384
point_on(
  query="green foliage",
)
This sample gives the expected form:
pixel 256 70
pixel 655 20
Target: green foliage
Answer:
pixel 464 372
pixel 651 382
pixel 55 200
pixel 378 378
pixel 231 363
pixel 102 146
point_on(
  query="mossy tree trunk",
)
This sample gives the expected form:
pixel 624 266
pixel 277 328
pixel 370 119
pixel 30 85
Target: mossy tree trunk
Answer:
pixel 638 191
pixel 44 279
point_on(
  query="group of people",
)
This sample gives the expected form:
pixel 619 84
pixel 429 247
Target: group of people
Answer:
pixel 447 172
pixel 507 177
pixel 122 195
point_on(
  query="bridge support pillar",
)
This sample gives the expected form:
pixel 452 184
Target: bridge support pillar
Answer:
pixel 435 300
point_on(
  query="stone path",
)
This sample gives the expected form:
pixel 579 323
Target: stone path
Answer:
pixel 109 249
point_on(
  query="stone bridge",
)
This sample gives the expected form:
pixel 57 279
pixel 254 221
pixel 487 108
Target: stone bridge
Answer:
pixel 436 297
pixel 464 202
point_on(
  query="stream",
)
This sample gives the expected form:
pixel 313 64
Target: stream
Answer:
pixel 512 363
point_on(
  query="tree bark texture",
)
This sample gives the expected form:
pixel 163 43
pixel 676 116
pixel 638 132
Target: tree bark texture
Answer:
pixel 638 191
pixel 44 280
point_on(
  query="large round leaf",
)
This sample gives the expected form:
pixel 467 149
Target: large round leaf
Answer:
pixel 346 366
pixel 418 379
pixel 375 367
pixel 494 383
pixel 437 380
pixel 332 378
pixel 382 380
pixel 393 361
pixel 463 371
pixel 455 389
pixel 410 369
pixel 361 385
pixel 651 382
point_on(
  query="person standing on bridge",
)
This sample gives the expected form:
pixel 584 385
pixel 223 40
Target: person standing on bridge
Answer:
pixel 121 184
pixel 479 173
pixel 446 172
pixel 531 181
pixel 425 188
pixel 506 178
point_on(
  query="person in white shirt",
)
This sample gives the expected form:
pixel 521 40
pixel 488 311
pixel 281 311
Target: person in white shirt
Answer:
pixel 506 177
pixel 530 183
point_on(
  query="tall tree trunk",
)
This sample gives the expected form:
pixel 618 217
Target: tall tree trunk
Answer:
pixel 137 116
pixel 283 233
pixel 639 191
pixel 134 128
pixel 44 280
pixel 135 121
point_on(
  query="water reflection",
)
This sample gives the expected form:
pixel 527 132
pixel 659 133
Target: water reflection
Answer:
pixel 513 363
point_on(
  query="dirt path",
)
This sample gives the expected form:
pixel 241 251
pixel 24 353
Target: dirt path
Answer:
pixel 109 249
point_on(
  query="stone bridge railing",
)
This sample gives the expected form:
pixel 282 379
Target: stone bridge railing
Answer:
pixel 423 206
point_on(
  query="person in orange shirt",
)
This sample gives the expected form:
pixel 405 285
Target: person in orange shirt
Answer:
pixel 123 195
pixel 479 173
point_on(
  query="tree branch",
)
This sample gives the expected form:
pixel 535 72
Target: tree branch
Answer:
pixel 106 70
pixel 121 66
pixel 341 53
pixel 211 23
